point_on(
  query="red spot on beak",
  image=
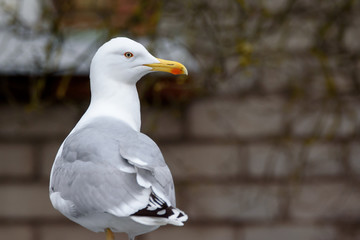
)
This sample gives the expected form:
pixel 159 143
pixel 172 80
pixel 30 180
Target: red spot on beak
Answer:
pixel 175 71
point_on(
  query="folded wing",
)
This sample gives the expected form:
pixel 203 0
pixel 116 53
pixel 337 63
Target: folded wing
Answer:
pixel 108 167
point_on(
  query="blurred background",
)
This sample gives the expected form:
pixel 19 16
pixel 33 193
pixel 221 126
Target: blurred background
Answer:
pixel 262 137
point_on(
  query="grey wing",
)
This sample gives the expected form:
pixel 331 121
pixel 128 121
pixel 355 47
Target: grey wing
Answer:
pixel 152 171
pixel 108 167
pixel 91 188
pixel 85 179
pixel 143 154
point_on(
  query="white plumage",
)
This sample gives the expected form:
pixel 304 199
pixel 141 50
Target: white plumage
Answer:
pixel 107 175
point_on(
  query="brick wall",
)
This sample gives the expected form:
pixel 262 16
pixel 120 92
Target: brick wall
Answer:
pixel 237 175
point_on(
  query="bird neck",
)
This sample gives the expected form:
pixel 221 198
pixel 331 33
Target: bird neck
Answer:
pixel 119 101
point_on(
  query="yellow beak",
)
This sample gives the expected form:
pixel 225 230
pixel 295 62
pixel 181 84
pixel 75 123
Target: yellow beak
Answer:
pixel 168 66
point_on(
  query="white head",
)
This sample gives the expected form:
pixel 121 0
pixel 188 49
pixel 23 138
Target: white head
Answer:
pixel 125 60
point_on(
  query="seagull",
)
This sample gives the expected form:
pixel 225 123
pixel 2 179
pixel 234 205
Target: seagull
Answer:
pixel 108 176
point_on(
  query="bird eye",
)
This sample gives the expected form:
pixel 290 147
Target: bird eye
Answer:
pixel 128 55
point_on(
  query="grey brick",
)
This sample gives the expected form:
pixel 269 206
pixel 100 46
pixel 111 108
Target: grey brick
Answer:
pixel 271 160
pixel 296 36
pixel 324 124
pixel 25 201
pixel 48 154
pixel 247 118
pixel 16 232
pixel 54 121
pixel 274 6
pixel 192 233
pixel 237 83
pixel 326 119
pixel 294 232
pixel 161 124
pixel 321 6
pixel 325 201
pixel 354 157
pixel 318 88
pixel 323 159
pixel 352 33
pixel 72 231
pixel 275 77
pixel 188 161
pixel 232 202
pixel 294 159
pixel 289 75
pixel 16 160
